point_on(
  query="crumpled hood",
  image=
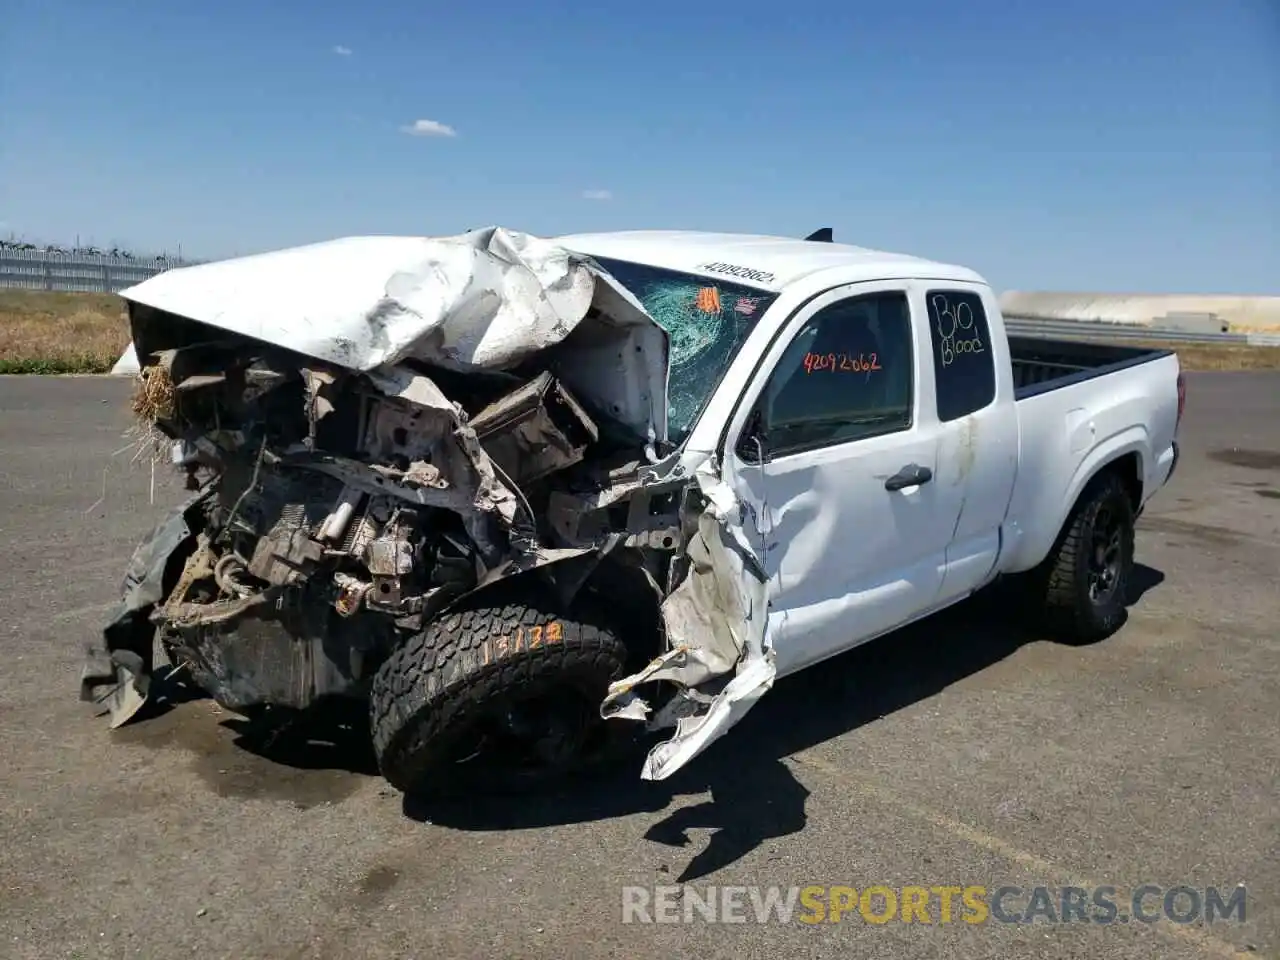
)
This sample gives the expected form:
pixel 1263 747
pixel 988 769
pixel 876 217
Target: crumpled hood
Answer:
pixel 486 299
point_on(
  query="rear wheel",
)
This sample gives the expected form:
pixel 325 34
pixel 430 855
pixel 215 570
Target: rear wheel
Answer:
pixel 494 698
pixel 1083 583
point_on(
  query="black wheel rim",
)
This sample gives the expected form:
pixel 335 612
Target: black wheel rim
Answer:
pixel 1106 556
pixel 527 737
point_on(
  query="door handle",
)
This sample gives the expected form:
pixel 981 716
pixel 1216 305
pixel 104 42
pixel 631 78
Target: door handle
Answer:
pixel 909 476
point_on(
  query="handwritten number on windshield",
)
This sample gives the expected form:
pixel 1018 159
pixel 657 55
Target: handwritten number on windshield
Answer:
pixel 951 321
pixel 841 362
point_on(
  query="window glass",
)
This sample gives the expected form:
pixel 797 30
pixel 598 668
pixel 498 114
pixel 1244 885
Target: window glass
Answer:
pixel 845 376
pixel 707 322
pixel 962 361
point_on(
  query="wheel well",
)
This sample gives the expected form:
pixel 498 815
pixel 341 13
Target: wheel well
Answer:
pixel 1129 469
pixel 626 596
pixel 616 589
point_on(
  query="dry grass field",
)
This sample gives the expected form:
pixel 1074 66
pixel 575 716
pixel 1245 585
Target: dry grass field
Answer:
pixel 60 332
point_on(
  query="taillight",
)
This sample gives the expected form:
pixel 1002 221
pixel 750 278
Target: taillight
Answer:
pixel 1182 398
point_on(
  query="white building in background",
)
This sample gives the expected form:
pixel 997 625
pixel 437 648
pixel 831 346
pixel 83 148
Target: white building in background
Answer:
pixel 1239 314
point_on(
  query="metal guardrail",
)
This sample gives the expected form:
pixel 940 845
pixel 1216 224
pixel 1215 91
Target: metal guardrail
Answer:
pixel 77 272
pixel 1125 332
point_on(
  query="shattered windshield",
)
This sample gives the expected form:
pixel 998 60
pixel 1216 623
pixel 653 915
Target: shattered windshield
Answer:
pixel 706 320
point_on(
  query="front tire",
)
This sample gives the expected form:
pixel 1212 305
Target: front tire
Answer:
pixel 494 698
pixel 1083 583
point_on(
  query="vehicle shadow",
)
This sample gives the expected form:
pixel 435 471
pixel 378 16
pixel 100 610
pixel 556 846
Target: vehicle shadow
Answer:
pixel 170 688
pixel 754 795
pixel 1142 579
pixel 331 735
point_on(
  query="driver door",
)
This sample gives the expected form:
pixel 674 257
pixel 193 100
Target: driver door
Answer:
pixel 835 469
pixel 830 527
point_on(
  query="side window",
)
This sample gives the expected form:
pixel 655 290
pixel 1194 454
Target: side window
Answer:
pixel 846 376
pixel 962 361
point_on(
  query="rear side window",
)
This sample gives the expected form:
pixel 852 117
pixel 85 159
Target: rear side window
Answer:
pixel 846 376
pixel 963 366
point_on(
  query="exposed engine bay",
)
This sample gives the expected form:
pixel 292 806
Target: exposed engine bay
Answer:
pixel 341 508
pixel 345 496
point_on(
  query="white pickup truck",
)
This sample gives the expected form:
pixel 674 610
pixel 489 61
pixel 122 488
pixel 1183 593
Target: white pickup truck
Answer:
pixel 526 481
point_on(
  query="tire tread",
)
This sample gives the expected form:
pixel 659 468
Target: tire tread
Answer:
pixel 439 677
pixel 1062 598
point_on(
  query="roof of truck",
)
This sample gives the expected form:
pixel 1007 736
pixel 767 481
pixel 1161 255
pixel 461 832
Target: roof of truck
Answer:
pixel 769 263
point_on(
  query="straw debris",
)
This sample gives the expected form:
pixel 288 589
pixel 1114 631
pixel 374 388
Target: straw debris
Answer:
pixel 154 396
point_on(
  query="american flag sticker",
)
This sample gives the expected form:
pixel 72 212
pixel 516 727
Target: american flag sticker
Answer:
pixel 747 305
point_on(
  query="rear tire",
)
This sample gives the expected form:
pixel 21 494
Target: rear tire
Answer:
pixel 1081 588
pixel 494 698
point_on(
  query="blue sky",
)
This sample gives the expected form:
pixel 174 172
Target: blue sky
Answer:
pixel 1128 145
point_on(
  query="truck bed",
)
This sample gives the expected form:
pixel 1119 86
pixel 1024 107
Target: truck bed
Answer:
pixel 1074 416
pixel 1041 365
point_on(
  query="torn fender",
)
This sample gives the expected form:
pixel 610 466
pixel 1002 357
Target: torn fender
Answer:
pixel 117 672
pixel 717 619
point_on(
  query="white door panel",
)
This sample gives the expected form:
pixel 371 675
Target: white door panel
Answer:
pixel 976 428
pixel 847 558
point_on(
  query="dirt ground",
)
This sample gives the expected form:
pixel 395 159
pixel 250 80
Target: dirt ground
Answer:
pixel 962 751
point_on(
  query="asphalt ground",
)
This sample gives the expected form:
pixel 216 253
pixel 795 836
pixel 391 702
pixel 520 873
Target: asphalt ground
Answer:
pixel 961 752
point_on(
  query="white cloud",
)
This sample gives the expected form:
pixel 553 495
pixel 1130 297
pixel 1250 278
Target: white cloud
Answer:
pixel 429 128
pixel 597 195
pixel 342 51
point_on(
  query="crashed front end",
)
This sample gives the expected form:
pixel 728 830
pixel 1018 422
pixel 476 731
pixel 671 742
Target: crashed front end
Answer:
pixel 375 428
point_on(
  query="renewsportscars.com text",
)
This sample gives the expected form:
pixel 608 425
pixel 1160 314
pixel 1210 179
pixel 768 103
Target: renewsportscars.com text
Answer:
pixel 935 904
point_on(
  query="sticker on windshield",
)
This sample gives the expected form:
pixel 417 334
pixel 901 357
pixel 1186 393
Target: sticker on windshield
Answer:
pixel 841 362
pixel 733 270
pixel 708 300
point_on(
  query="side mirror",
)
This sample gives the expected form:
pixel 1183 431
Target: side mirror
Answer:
pixel 753 446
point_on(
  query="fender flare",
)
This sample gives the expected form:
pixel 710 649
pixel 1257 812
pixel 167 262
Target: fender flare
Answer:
pixel 1130 442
